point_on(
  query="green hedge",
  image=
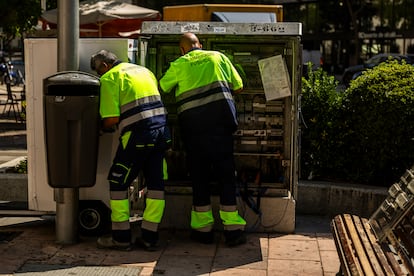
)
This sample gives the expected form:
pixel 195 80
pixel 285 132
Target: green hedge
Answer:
pixel 364 134
pixel 319 109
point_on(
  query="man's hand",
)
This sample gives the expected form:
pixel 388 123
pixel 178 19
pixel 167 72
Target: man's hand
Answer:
pixel 109 124
pixel 238 91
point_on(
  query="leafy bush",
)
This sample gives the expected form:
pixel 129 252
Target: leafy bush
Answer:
pixel 366 133
pixel 378 112
pixel 21 167
pixel 319 109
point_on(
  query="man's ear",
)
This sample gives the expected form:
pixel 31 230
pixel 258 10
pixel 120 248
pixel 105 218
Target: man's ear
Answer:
pixel 182 50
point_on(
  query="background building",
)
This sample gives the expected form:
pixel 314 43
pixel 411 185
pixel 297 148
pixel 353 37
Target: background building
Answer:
pixel 345 32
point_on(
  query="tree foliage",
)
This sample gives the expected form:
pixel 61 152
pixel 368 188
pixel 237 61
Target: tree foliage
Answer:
pixel 18 17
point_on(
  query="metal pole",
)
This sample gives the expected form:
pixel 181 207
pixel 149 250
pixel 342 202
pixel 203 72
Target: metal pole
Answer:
pixel 67 199
pixel 66 215
pixel 68 35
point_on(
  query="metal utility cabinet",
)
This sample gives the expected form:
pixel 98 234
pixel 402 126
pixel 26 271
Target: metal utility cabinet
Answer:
pixel 268 56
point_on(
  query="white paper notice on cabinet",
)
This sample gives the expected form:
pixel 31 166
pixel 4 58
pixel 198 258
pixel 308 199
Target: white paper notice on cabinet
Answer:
pixel 275 77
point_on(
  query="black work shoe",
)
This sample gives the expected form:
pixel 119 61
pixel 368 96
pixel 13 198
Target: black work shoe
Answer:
pixel 148 246
pixel 149 240
pixel 202 237
pixel 235 237
pixel 107 242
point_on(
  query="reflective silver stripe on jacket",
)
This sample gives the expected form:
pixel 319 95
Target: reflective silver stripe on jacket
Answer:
pixel 142 116
pixel 141 101
pixel 202 89
pixel 203 101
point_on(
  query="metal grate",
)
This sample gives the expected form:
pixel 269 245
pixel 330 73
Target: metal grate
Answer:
pixel 58 270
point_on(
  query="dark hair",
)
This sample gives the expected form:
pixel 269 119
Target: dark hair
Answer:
pixel 103 56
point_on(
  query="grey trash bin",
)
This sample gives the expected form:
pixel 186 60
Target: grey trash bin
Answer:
pixel 71 112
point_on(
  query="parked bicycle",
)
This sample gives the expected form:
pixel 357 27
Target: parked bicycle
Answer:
pixel 9 75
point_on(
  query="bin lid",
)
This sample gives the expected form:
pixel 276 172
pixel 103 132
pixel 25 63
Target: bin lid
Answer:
pixel 62 83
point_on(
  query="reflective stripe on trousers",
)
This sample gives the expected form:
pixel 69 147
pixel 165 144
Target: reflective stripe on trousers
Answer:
pixel 202 218
pixel 119 203
pixel 231 218
pixel 154 210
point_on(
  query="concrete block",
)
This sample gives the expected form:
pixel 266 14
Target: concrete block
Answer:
pixel 325 198
pixel 278 213
pixel 13 187
pixel 313 198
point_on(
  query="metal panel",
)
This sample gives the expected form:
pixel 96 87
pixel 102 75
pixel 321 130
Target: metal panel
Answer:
pixel 267 137
pixel 222 28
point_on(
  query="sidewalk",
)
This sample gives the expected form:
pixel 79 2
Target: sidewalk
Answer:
pixel 28 247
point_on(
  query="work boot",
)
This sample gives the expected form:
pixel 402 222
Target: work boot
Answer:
pixel 234 237
pixel 149 240
pixel 107 242
pixel 202 237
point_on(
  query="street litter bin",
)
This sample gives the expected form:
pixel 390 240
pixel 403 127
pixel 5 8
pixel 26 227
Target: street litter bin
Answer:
pixel 71 113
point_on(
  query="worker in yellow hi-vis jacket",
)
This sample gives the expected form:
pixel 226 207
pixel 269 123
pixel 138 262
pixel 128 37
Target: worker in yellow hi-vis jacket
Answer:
pixel 129 99
pixel 204 83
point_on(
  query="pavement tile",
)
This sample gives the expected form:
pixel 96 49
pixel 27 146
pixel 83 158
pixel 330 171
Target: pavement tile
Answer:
pixel 180 244
pixel 330 261
pixel 10 264
pixel 170 265
pixel 239 272
pixel 254 254
pixel 293 236
pixel 330 274
pixel 134 257
pixel 147 271
pixel 35 250
pixel 326 244
pixel 284 249
pixel 83 253
pixel 39 232
pixel 294 268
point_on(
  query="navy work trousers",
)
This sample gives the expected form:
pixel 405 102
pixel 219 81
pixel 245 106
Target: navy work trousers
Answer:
pixel 211 156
